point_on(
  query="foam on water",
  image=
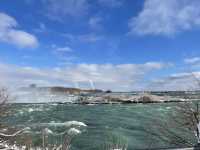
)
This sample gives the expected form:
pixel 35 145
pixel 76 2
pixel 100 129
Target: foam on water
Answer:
pixel 64 124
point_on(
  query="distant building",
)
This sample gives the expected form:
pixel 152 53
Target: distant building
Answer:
pixel 32 85
pixel 108 91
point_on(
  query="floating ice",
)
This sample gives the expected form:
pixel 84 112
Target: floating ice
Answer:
pixel 47 131
pixel 74 123
pixel 14 134
pixel 74 131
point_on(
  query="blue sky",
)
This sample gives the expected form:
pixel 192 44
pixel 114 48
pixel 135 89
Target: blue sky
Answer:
pixel 109 44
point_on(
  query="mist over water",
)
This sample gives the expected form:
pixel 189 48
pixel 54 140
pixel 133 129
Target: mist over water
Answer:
pixel 40 96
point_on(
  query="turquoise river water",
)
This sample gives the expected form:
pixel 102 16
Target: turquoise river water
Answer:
pixel 134 126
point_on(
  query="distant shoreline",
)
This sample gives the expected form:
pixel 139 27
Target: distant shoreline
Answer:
pixel 133 103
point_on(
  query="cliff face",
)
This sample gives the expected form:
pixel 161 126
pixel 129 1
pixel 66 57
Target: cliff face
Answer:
pixel 73 90
pixel 65 90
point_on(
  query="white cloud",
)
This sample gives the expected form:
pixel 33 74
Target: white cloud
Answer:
pixel 110 3
pixel 156 65
pixel 193 60
pixel 166 17
pixel 63 8
pixel 90 38
pixel 41 28
pixel 95 22
pixel 87 38
pixel 9 33
pixel 105 76
pixel 63 49
pixel 178 81
pixel 64 54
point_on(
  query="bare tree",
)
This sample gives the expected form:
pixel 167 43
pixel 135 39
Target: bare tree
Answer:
pixel 115 142
pixel 185 120
pixel 3 100
pixel 3 103
pixel 182 128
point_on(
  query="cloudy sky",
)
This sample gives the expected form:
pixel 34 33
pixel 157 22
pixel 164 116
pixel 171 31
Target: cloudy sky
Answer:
pixel 121 45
